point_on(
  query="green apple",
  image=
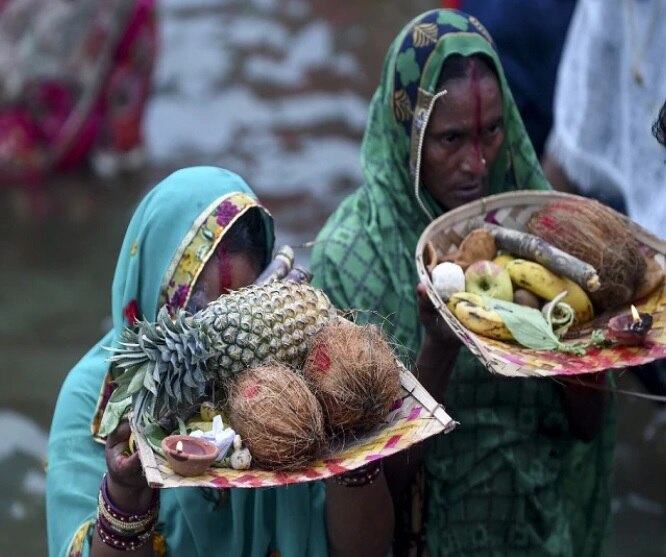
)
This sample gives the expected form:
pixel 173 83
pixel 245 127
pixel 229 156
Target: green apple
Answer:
pixel 491 279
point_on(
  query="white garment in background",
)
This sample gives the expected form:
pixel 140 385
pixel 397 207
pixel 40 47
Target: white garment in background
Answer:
pixel 603 115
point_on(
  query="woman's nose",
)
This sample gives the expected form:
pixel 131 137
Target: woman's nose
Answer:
pixel 474 162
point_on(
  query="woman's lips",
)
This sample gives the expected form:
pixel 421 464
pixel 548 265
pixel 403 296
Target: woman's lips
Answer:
pixel 470 192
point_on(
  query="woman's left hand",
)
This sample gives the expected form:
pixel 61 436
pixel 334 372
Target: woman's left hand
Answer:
pixel 436 328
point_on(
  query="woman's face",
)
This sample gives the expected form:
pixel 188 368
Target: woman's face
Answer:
pixel 221 274
pixel 463 140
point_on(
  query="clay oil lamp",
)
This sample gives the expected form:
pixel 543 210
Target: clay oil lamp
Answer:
pixel 629 328
pixel 189 456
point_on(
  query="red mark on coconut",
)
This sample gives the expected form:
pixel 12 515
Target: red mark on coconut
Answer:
pixel 322 360
pixel 251 391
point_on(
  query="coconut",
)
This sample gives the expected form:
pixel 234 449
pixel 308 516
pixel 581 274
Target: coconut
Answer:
pixel 277 416
pixel 599 236
pixel 354 373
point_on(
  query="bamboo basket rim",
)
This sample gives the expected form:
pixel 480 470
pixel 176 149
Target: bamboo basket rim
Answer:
pixel 482 348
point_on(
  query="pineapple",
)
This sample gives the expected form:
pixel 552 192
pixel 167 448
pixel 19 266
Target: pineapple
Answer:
pixel 167 364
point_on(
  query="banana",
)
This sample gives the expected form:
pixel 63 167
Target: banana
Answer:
pixel 544 283
pixel 578 299
pixel 472 313
pixel 504 259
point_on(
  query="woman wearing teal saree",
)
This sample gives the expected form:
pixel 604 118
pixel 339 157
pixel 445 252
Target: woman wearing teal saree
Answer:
pixel 197 234
pixel 528 471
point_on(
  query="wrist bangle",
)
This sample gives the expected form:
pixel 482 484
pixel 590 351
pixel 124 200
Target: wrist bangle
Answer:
pixel 121 530
pixel 365 475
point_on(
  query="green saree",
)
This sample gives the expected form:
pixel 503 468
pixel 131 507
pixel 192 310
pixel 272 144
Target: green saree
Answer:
pixel 511 479
pixel 173 232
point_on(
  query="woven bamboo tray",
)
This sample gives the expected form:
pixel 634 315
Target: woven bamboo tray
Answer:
pixel 416 417
pixel 513 210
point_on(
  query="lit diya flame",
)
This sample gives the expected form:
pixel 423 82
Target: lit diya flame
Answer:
pixel 179 447
pixel 629 328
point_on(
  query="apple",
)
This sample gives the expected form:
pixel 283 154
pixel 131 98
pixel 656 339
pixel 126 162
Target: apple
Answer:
pixel 491 279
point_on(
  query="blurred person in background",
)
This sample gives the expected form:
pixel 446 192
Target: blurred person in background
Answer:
pixel 528 472
pixel 74 80
pixel 610 85
pixel 529 35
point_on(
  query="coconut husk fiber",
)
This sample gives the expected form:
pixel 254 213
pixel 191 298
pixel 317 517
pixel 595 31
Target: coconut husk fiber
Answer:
pixel 277 416
pixel 353 372
pixel 597 235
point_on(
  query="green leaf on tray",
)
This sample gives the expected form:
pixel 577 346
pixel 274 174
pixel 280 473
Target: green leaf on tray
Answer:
pixel 531 329
pixel 527 325
pixel 154 435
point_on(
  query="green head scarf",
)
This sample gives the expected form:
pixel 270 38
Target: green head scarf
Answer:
pixel 172 234
pixel 364 256
pixel 510 478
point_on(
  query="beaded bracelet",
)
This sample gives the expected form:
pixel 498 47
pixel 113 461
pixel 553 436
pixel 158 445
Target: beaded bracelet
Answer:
pixel 123 543
pixel 122 516
pixel 365 475
pixel 121 530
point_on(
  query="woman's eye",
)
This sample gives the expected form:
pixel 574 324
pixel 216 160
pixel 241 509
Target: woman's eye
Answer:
pixel 494 129
pixel 450 137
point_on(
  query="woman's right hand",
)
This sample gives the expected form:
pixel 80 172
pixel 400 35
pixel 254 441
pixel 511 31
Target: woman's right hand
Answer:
pixel 126 483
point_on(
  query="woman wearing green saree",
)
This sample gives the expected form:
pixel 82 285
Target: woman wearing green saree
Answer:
pixel 528 471
pixel 197 234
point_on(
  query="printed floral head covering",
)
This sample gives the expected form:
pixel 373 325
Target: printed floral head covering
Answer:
pixel 173 232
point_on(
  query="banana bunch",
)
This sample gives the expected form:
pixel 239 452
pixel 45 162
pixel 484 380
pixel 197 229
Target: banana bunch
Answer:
pixel 471 311
pixel 535 278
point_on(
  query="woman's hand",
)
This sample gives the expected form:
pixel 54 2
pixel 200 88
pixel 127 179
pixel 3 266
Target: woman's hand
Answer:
pixel 126 483
pixel 436 329
pixel 439 348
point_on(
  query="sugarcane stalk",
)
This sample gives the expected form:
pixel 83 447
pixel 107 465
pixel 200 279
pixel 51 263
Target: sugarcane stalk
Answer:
pixel 537 249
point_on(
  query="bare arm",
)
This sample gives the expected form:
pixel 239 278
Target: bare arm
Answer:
pixel 555 174
pixel 434 365
pixel 359 519
pixel 586 406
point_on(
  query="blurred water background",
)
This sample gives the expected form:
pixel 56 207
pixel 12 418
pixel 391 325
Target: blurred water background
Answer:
pixel 276 90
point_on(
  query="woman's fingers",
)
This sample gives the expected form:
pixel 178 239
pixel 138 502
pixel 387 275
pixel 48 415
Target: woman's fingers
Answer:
pixel 433 322
pixel 124 467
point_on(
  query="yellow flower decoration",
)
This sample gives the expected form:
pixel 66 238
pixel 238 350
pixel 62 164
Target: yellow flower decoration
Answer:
pixel 189 263
pixel 134 248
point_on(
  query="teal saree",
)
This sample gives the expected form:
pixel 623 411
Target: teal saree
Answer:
pixel 170 237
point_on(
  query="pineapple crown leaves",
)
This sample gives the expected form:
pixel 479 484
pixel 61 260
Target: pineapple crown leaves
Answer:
pixel 163 363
